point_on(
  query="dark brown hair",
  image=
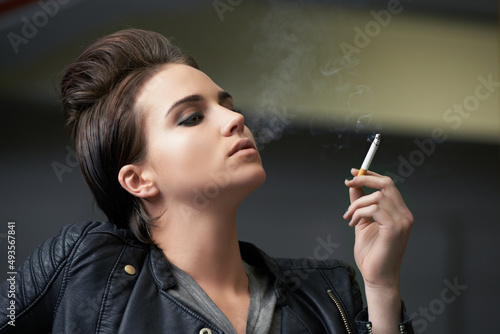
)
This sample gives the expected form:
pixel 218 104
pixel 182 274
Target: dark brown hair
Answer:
pixel 99 92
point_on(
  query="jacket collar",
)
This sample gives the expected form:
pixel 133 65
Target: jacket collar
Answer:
pixel 162 271
pixel 161 268
pixel 257 258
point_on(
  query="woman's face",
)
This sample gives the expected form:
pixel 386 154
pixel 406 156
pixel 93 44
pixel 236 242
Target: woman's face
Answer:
pixel 196 142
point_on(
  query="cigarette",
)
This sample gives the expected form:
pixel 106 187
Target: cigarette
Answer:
pixel 370 155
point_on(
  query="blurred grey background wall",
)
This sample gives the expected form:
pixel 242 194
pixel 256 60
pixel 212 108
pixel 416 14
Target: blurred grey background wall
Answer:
pixel 316 80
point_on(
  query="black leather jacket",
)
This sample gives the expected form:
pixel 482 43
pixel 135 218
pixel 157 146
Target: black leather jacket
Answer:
pixel 97 278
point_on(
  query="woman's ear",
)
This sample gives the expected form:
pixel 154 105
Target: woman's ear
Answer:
pixel 137 182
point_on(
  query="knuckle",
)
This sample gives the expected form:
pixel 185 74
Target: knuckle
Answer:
pixel 387 181
pixel 378 195
pixel 406 222
pixel 372 209
pixel 411 219
pixel 408 216
pixel 397 230
pixel 355 215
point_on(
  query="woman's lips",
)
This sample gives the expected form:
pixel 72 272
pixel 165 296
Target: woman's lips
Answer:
pixel 243 147
pixel 245 151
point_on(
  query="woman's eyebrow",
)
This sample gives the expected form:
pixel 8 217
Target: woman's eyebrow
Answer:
pixel 187 99
pixel 224 96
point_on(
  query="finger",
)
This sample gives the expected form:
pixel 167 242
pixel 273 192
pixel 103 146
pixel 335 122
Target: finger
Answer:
pixel 375 213
pixel 377 198
pixel 355 172
pixel 380 182
pixel 355 193
pixel 387 217
pixel 373 181
pixel 381 209
pixel 370 179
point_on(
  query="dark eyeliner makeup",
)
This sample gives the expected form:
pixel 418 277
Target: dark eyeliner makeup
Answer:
pixel 192 119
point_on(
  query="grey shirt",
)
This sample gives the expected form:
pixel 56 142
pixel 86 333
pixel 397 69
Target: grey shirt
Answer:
pixel 263 316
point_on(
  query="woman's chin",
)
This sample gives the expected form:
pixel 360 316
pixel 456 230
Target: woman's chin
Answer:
pixel 260 178
pixel 250 181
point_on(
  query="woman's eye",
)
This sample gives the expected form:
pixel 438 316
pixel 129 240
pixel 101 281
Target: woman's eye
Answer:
pixel 192 119
pixel 236 110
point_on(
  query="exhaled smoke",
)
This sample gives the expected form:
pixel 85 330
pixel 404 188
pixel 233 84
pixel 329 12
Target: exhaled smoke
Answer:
pixel 289 51
pixel 285 52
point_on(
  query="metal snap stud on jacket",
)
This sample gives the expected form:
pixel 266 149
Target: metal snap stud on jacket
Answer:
pixel 205 331
pixel 129 269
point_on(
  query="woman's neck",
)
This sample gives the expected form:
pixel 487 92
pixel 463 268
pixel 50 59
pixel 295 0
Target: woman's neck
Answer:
pixel 204 244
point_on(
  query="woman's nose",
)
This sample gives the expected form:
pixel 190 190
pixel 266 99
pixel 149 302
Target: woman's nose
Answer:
pixel 234 122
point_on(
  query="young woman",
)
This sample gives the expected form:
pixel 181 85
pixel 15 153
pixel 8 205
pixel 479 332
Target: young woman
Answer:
pixel 151 131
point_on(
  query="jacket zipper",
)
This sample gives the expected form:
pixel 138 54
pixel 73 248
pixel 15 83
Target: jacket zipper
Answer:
pixel 341 310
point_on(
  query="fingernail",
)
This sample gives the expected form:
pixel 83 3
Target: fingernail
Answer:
pixel 345 212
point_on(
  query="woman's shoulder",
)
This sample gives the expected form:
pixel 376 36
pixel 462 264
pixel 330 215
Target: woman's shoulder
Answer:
pixel 304 268
pixel 317 278
pixel 91 233
pixel 81 240
pixel 334 271
pixel 73 265
pixel 71 233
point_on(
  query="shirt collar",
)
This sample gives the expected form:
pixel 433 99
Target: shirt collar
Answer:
pixel 162 271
